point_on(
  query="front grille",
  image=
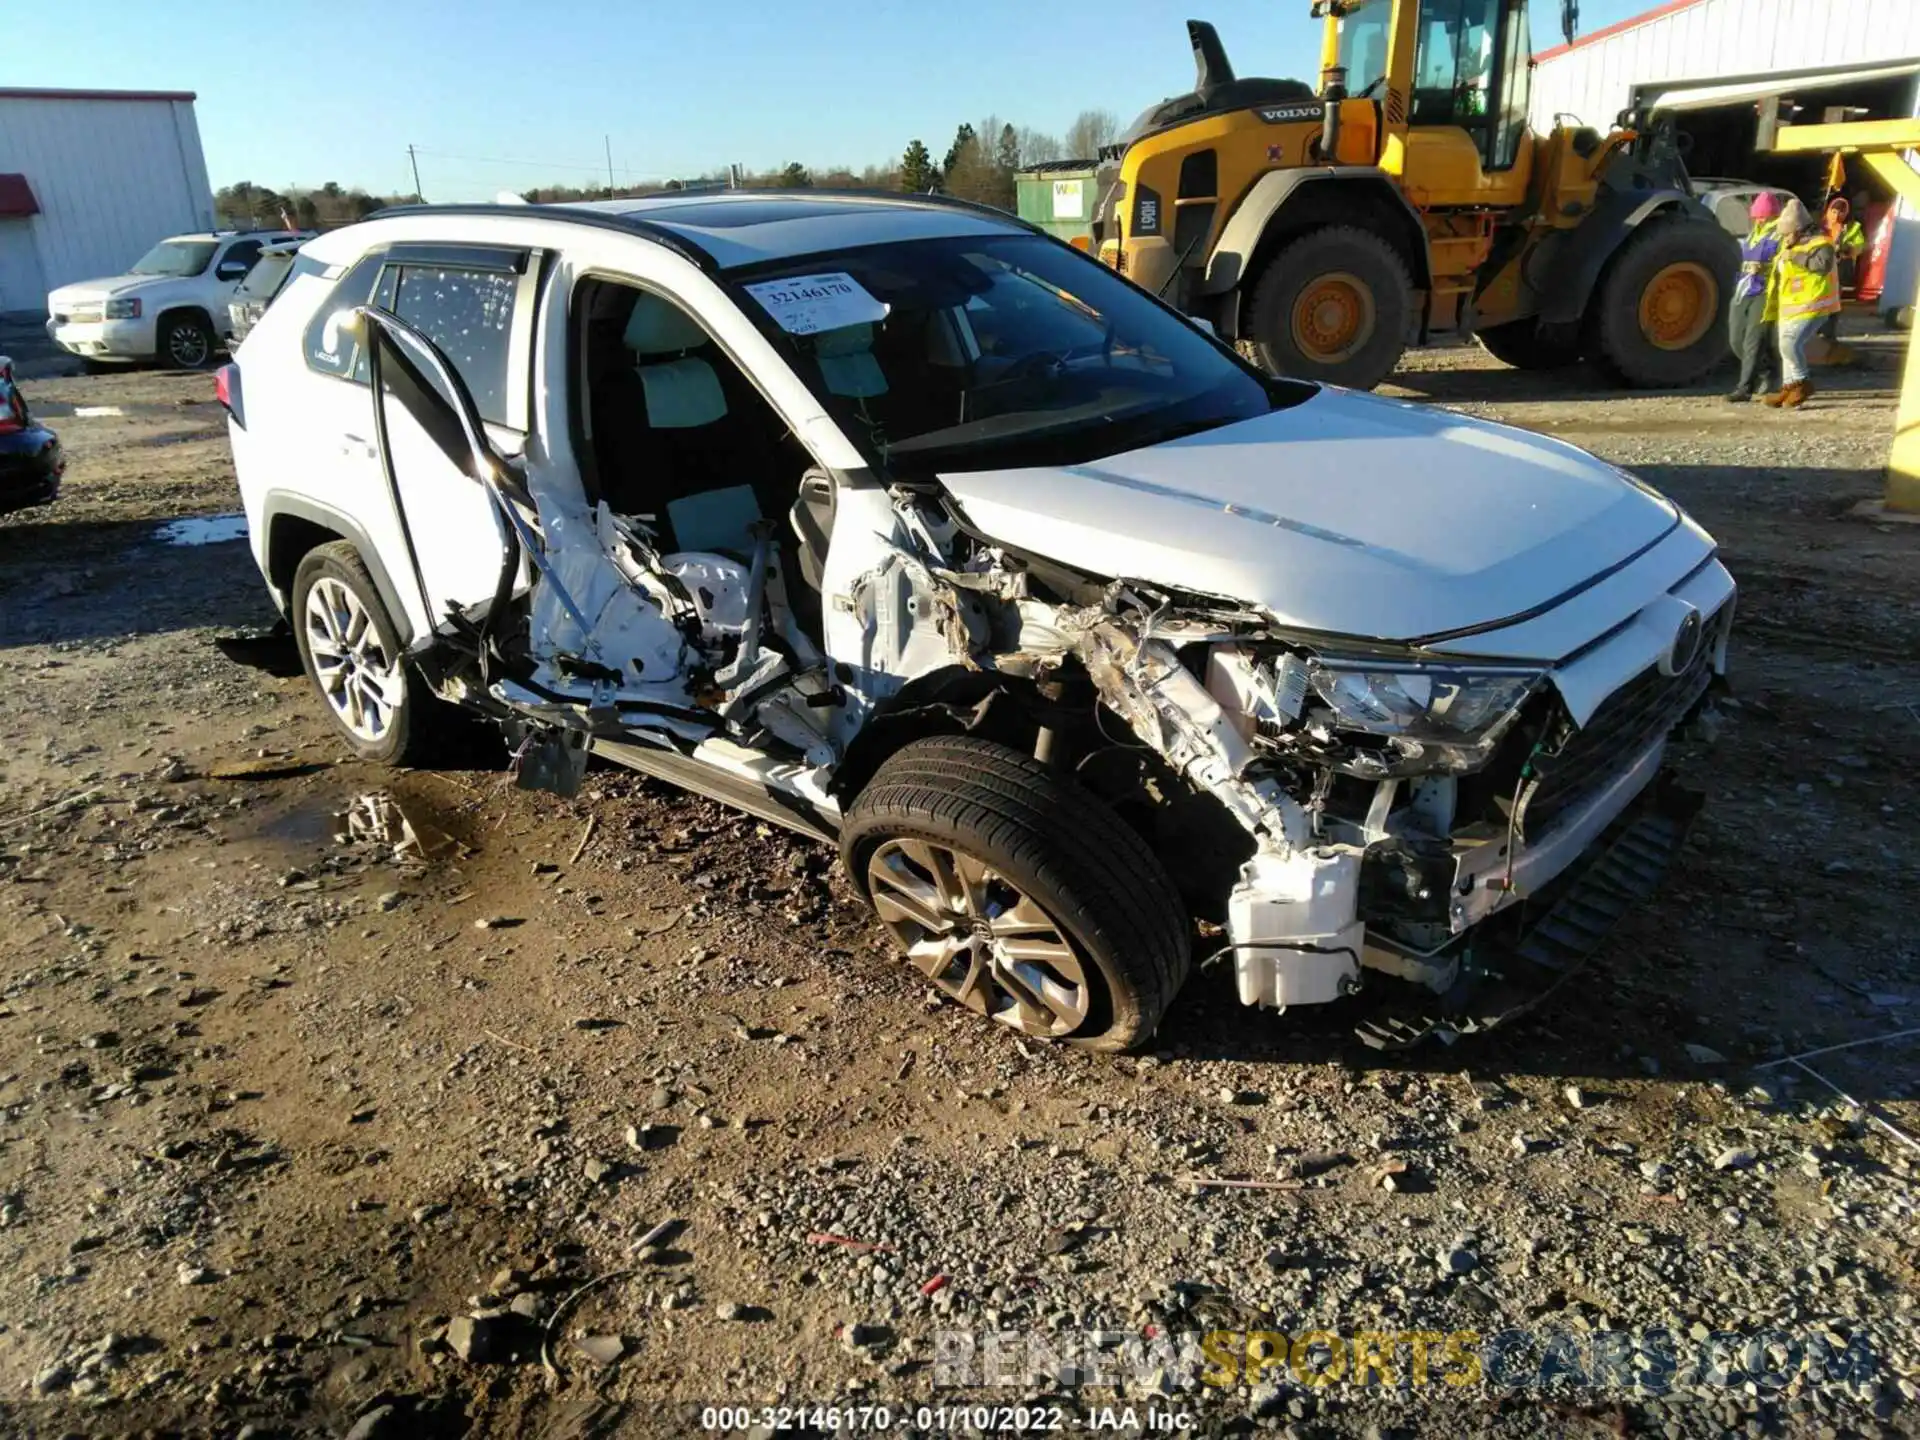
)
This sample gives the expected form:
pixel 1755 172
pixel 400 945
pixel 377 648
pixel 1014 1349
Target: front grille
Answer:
pixel 1568 774
pixel 81 315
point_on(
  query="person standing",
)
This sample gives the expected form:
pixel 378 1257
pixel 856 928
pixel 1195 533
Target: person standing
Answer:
pixel 1849 239
pixel 1806 285
pixel 1755 347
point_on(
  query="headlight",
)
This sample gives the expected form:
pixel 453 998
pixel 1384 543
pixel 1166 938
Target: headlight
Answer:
pixel 122 310
pixel 1425 703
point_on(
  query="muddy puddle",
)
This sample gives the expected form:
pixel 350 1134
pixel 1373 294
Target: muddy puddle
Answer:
pixel 202 530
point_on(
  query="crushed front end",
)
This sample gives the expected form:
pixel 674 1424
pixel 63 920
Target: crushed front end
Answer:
pixel 1403 813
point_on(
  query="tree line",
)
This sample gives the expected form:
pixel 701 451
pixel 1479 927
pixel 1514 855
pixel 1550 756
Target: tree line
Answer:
pixel 979 166
pixel 246 206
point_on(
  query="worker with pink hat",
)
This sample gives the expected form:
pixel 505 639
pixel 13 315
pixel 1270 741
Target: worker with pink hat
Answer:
pixel 1753 338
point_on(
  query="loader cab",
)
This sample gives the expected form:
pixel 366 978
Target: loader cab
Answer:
pixel 1453 78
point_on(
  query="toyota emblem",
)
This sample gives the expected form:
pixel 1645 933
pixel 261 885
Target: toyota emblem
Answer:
pixel 1686 644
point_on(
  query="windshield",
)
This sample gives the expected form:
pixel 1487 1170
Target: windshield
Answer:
pixel 263 281
pixel 990 351
pixel 175 257
pixel 1363 45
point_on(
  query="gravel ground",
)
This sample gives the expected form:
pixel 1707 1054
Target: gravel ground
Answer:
pixel 298 1137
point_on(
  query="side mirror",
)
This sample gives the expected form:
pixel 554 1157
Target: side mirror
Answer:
pixel 232 270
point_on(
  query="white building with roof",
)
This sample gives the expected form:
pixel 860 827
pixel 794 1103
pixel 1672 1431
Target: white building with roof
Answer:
pixel 89 179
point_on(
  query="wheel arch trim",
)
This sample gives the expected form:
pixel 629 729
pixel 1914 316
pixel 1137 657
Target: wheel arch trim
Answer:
pixel 1232 261
pixel 280 505
pixel 1569 284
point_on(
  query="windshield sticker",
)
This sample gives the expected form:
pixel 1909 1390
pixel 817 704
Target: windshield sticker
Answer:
pixel 808 304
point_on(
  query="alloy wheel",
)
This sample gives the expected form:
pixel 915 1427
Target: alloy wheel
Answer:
pixel 360 678
pixel 188 346
pixel 979 938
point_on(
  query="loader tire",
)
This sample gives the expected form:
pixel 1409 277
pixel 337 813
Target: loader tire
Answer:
pixel 1659 314
pixel 1333 305
pixel 955 835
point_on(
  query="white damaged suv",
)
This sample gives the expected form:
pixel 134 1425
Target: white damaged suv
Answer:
pixel 906 526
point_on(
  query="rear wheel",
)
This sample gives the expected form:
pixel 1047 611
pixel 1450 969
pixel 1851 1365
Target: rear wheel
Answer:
pixel 1522 345
pixel 1333 305
pixel 1660 314
pixel 1017 893
pixel 352 653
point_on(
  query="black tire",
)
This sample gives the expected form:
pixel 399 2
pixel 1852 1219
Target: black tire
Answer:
pixel 1338 250
pixel 1615 339
pixel 419 721
pixel 186 342
pixel 1047 835
pixel 1521 345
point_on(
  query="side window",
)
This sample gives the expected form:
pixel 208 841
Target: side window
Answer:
pixel 469 315
pixel 330 349
pixel 242 252
pixel 1454 63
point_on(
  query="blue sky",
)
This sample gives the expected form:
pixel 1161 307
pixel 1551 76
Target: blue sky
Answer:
pixel 301 91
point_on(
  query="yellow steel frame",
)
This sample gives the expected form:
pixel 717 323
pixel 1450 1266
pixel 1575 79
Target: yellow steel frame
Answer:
pixel 1882 146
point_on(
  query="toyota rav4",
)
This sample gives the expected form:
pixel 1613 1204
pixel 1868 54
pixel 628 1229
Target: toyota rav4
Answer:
pixel 897 522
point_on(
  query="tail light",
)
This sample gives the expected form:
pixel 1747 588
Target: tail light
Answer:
pixel 13 406
pixel 226 388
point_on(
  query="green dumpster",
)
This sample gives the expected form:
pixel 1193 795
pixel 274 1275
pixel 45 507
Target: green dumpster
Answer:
pixel 1058 196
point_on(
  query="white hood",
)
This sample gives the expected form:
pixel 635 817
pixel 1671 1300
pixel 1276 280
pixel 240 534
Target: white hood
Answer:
pixel 84 290
pixel 1346 514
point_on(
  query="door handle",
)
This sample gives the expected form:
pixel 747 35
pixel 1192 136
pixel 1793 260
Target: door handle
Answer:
pixel 350 443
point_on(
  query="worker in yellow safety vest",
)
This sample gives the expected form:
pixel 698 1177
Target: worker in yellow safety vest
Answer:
pixel 1806 289
pixel 1849 244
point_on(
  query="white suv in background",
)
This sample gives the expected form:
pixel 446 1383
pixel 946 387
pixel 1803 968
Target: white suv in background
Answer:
pixel 897 522
pixel 171 306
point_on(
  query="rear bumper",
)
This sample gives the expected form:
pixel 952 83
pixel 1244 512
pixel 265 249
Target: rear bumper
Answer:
pixel 30 476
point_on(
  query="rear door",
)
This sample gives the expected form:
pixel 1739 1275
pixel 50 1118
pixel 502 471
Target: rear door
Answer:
pixel 475 305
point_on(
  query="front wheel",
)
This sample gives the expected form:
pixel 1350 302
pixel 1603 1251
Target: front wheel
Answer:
pixel 1017 893
pixel 1659 317
pixel 352 653
pixel 186 342
pixel 1333 305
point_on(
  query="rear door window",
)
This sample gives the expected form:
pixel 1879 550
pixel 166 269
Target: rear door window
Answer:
pixel 469 315
pixel 473 302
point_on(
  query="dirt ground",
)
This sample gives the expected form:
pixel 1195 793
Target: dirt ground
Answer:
pixel 276 1108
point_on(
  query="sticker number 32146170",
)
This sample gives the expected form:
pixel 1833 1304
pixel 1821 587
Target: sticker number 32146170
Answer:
pixel 808 304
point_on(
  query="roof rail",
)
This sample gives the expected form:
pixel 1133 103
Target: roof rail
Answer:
pixel 572 215
pixel 912 197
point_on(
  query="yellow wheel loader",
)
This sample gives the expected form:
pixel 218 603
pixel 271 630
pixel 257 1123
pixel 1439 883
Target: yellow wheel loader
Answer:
pixel 1409 197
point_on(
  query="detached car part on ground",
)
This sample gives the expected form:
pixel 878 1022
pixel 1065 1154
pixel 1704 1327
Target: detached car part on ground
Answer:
pixel 31 460
pixel 1127 633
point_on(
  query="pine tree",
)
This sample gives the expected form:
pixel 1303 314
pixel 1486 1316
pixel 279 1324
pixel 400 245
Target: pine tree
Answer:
pixel 917 172
pixel 1008 157
pixel 963 139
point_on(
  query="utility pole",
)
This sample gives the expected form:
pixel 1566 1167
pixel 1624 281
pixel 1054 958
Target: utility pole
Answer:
pixel 609 143
pixel 414 161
